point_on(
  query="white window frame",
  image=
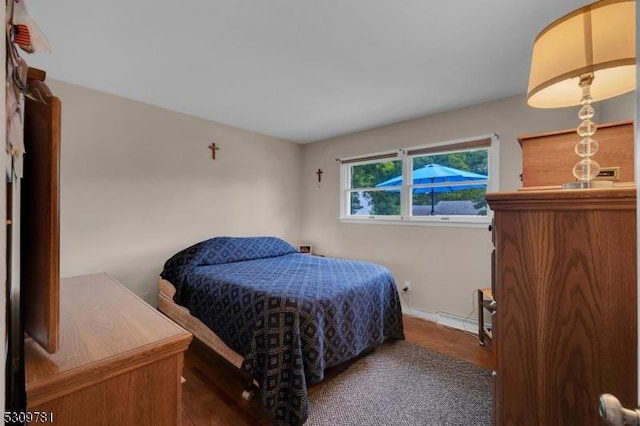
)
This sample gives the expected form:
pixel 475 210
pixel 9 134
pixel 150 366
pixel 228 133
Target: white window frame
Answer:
pixel 403 154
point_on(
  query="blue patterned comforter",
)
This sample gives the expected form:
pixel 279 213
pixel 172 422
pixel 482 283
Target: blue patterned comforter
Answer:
pixel 290 315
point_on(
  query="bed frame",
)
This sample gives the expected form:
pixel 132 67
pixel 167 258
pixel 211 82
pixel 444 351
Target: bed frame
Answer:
pixel 183 317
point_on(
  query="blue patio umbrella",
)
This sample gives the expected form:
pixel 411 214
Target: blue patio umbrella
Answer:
pixel 436 173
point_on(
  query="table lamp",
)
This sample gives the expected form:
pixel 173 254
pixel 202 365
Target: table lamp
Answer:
pixel 586 56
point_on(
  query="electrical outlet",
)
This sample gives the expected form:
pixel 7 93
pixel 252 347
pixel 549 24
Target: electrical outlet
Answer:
pixel 407 286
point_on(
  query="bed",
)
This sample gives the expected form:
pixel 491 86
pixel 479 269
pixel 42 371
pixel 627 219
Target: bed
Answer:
pixel 280 316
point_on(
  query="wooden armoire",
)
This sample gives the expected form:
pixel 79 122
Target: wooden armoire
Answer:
pixel 565 328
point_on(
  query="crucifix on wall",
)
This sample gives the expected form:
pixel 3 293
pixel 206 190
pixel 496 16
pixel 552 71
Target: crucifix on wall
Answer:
pixel 213 149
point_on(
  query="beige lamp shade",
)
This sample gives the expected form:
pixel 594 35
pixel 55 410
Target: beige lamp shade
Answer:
pixel 598 38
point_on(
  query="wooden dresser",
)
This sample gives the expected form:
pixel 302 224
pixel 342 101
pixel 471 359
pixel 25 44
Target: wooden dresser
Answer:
pixel 565 326
pixel 119 361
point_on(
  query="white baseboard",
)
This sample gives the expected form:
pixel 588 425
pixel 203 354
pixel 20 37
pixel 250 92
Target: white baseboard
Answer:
pixel 461 323
pixel 429 316
pixel 443 318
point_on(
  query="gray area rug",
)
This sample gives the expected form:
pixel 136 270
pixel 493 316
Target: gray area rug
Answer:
pixel 403 384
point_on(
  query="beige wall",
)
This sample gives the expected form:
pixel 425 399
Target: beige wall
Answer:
pixel 444 264
pixel 138 184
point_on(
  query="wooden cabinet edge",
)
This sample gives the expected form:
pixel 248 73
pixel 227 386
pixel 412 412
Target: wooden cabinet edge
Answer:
pixel 570 130
pixel 48 389
pixel 584 199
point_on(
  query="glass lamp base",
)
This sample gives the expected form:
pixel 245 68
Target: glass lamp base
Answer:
pixel 588 184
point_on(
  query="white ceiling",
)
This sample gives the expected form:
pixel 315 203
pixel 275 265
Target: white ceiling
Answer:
pixel 298 70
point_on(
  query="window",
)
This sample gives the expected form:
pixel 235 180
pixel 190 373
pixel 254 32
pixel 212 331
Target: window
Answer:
pixel 435 184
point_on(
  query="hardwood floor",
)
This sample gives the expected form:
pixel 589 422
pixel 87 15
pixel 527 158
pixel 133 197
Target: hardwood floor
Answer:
pixel 213 388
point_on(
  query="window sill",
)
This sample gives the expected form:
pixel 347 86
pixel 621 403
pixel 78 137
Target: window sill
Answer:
pixel 453 222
